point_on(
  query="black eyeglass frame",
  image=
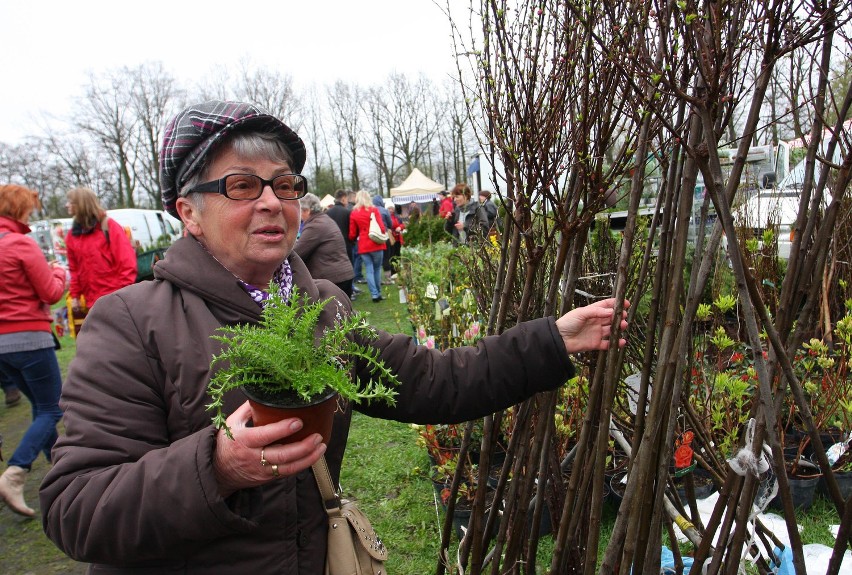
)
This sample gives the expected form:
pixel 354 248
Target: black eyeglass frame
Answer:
pixel 218 187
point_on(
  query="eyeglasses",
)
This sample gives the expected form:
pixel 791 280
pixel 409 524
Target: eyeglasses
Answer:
pixel 250 187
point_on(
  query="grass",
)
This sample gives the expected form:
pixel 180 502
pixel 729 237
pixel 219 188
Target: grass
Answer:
pixel 383 469
pixel 23 546
pixel 387 473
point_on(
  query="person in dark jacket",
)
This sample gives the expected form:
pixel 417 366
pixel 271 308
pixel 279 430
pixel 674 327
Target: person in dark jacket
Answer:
pixel 28 286
pixel 469 217
pixel 339 212
pixel 379 202
pixel 142 482
pixel 321 246
pixel 489 207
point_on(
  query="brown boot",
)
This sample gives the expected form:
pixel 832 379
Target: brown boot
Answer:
pixel 12 490
pixel 13 396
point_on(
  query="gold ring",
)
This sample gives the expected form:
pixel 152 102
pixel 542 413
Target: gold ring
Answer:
pixel 263 460
pixel 274 471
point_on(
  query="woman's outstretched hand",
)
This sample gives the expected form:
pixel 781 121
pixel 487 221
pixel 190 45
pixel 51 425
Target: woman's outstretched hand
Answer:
pixel 587 328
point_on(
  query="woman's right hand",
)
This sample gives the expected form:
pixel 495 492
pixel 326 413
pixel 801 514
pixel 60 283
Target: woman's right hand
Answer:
pixel 237 462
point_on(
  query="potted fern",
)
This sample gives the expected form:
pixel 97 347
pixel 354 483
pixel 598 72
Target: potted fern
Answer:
pixel 287 369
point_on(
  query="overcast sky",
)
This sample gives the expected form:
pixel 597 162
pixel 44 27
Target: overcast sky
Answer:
pixel 49 47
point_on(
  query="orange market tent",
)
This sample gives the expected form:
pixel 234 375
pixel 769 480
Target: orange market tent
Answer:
pixel 417 187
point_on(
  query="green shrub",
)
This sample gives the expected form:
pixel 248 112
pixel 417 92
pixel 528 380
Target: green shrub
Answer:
pixel 441 305
pixel 425 230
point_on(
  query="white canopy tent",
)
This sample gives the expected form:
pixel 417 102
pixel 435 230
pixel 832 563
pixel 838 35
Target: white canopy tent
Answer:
pixel 417 187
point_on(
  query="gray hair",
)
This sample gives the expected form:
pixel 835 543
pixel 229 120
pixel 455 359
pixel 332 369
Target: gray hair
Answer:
pixel 311 203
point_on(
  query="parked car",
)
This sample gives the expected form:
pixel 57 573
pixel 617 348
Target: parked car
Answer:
pixel 148 229
pixel 50 236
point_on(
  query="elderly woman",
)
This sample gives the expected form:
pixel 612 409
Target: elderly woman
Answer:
pixel 321 246
pixel 28 286
pixel 143 482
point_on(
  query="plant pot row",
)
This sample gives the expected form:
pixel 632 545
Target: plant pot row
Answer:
pixel 704 486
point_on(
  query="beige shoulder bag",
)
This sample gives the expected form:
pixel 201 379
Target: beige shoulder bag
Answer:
pixel 353 546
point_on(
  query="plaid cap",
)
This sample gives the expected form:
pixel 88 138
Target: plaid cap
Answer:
pixel 192 133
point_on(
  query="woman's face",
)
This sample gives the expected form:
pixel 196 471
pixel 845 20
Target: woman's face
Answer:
pixel 250 238
pixel 460 199
pixel 69 207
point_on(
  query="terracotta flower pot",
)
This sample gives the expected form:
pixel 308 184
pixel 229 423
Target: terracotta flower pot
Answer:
pixel 317 416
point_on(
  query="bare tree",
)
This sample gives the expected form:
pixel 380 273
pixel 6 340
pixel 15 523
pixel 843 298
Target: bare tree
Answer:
pixel 346 116
pixel 406 122
pixel 453 134
pixel 271 90
pixel 152 99
pixel 106 115
pixel 380 146
pixel 316 138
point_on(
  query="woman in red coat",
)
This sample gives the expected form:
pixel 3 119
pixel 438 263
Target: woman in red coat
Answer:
pixel 28 285
pixel 371 253
pixel 100 256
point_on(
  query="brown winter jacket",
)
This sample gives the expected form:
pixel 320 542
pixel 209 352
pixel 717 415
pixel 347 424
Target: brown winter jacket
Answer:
pixel 132 487
pixel 321 247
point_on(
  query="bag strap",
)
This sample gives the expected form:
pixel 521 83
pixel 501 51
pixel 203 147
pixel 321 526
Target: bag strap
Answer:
pixel 326 486
pixel 365 535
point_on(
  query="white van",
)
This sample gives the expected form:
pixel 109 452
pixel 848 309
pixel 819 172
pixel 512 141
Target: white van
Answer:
pixel 148 228
pixel 46 234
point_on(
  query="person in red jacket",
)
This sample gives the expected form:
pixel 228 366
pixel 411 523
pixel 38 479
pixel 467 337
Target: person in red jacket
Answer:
pixel 371 253
pixel 395 249
pixel 100 255
pixel 28 285
pixel 447 205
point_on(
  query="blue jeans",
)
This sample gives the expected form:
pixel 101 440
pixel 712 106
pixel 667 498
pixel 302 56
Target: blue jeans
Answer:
pixel 37 375
pixel 356 263
pixel 373 270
